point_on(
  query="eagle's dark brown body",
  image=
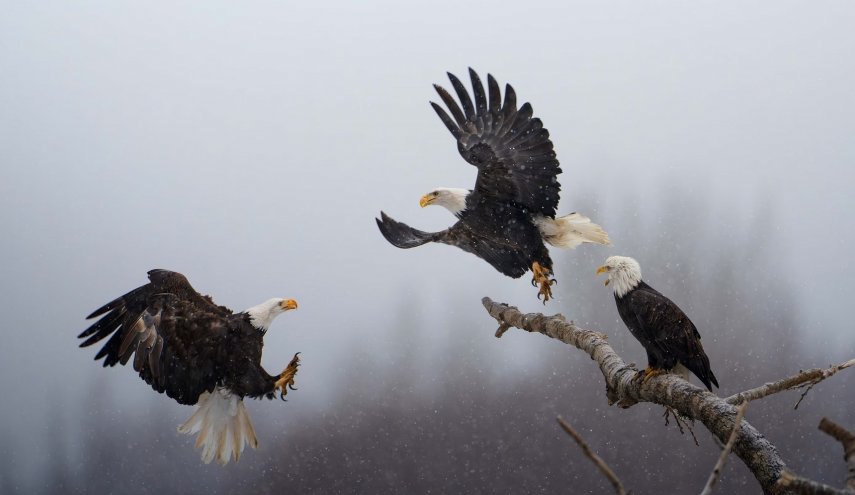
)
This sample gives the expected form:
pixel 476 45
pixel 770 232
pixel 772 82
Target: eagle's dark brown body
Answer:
pixel 182 343
pixel 665 332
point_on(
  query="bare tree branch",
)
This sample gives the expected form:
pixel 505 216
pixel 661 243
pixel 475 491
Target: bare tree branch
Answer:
pixel 719 465
pixel 803 378
pixel 847 438
pixel 803 486
pixel 717 414
pixel 597 460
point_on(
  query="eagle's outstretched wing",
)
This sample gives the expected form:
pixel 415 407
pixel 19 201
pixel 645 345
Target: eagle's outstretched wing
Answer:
pixel 513 152
pixel 402 235
pixel 173 332
pixel 672 332
pixel 504 257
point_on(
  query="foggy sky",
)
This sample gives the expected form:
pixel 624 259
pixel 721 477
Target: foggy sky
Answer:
pixel 251 145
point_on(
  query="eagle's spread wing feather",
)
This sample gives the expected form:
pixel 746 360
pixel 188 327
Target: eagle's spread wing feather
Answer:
pixel 173 332
pixel 671 332
pixel 504 257
pixel 402 235
pixel 514 155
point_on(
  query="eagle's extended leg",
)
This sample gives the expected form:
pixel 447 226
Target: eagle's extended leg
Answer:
pixel 286 378
pixel 541 278
pixel 648 373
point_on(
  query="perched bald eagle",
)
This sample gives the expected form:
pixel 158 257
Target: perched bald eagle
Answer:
pixel 666 333
pixel 196 352
pixel 510 213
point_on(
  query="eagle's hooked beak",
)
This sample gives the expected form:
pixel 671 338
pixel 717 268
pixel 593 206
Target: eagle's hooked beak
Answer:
pixel 425 200
pixel 288 304
pixel 601 270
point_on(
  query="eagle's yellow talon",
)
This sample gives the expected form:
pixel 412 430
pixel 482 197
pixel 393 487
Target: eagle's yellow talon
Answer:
pixel 648 373
pixel 286 379
pixel 540 277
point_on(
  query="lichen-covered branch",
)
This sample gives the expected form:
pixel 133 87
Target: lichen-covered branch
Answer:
pixel 802 379
pixel 716 414
pixel 597 460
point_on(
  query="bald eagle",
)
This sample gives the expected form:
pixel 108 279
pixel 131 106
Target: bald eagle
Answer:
pixel 196 352
pixel 670 338
pixel 510 214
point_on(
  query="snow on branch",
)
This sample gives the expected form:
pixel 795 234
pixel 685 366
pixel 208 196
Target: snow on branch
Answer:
pixel 807 378
pixel 718 415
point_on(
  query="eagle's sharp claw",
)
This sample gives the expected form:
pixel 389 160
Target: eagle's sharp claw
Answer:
pixel 541 278
pixel 286 378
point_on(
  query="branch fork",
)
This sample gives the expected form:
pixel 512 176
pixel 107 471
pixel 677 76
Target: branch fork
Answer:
pixel 718 415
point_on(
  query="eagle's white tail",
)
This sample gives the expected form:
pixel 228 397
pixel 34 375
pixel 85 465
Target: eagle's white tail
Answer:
pixel 681 371
pixel 571 230
pixel 223 425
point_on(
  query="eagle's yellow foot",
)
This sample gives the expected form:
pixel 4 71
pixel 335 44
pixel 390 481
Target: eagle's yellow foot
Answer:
pixel 286 379
pixel 648 373
pixel 541 278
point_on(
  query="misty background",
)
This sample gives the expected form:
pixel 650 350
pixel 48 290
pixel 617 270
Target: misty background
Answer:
pixel 250 146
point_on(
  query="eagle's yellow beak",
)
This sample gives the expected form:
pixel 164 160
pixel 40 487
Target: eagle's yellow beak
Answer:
pixel 288 304
pixel 602 270
pixel 425 200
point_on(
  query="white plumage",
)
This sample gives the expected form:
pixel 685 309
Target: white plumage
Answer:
pixel 624 274
pixel 570 230
pixel 223 426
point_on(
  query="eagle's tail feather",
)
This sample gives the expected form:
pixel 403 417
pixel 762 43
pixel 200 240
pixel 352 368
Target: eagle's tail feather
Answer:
pixel 571 230
pixel 223 426
pixel 681 371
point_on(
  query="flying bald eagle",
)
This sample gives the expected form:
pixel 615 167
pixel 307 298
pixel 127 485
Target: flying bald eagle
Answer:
pixel 666 333
pixel 509 215
pixel 197 353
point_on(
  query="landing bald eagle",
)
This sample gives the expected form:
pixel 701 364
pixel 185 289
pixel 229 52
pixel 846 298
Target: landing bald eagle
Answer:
pixel 666 333
pixel 196 352
pixel 511 212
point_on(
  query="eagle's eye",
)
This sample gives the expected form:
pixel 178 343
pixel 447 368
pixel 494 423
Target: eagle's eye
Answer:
pixel 436 193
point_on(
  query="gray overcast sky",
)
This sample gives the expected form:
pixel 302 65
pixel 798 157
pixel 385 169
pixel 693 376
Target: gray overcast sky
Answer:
pixel 249 145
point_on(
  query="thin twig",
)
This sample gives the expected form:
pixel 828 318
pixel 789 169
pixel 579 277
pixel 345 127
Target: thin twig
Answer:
pixel 716 472
pixel 599 462
pixel 808 389
pixel 680 424
pixel 801 379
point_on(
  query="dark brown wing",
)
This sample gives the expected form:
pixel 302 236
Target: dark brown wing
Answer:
pixel 671 332
pixel 402 235
pixel 505 257
pixel 514 155
pixel 174 334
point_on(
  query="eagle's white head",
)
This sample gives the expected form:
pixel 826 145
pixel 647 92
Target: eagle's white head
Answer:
pixel 452 198
pixel 262 316
pixel 624 274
